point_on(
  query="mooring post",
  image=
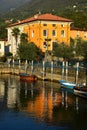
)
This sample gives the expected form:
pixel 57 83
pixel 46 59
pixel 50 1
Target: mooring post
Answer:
pixel 19 63
pixel 63 64
pixel 32 66
pixel 51 70
pixel 26 65
pixel 43 69
pixel 77 72
pixel 13 63
pixel 66 70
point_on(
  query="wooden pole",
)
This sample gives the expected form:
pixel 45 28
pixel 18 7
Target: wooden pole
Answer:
pixel 66 70
pixel 32 66
pixel 19 63
pixel 43 69
pixel 13 63
pixel 77 72
pixel 51 70
pixel 63 64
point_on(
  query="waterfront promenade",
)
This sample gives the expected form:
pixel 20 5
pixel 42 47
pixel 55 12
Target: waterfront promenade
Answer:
pixel 51 72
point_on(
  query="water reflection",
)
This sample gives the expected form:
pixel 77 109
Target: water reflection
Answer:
pixel 2 90
pixel 11 93
pixel 45 101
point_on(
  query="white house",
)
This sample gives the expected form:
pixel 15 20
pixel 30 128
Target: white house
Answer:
pixel 2 48
pixel 11 38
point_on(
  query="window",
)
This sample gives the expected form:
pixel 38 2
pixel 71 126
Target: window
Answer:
pixel 44 32
pixel 85 35
pixel 53 25
pixel 62 33
pixel 33 33
pixel 77 34
pixel 53 33
pixel 44 24
pixel 62 25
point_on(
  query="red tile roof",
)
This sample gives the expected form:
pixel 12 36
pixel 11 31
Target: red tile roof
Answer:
pixel 78 29
pixel 42 17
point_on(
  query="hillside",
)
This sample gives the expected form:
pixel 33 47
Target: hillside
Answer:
pixel 71 9
pixel 52 6
pixel 9 5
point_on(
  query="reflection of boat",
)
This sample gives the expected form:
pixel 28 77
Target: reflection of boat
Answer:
pixel 66 84
pixel 81 91
pixel 27 77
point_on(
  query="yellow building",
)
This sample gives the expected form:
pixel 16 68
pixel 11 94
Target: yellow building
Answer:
pixel 42 29
pixel 78 33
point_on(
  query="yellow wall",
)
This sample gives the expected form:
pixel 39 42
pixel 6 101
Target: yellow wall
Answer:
pixel 38 37
pixel 77 33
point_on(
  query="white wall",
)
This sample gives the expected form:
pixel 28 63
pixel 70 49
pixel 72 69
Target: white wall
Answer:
pixel 2 50
pixel 11 39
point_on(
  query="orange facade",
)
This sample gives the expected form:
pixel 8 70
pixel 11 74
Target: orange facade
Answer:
pixel 78 33
pixel 38 32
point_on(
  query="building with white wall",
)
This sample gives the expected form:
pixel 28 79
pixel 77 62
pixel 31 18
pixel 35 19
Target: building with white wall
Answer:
pixel 2 48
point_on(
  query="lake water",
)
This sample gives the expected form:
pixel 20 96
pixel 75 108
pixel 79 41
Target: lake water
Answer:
pixel 39 106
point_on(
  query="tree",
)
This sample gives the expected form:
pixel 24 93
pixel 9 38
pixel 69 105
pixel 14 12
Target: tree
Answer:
pixel 16 33
pixel 3 30
pixel 29 51
pixel 23 38
pixel 84 50
pixel 62 50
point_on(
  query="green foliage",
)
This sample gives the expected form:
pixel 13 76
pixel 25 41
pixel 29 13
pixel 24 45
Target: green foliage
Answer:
pixel 79 17
pixel 77 49
pixel 16 33
pixel 58 7
pixel 8 54
pixel 3 59
pixel 29 51
pixel 23 38
pixel 63 50
pixel 3 31
pixel 84 49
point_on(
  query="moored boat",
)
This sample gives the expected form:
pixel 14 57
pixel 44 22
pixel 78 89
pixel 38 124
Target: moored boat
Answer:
pixel 27 77
pixel 81 91
pixel 66 84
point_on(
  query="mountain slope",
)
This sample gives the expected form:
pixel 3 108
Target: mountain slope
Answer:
pixel 8 5
pixel 53 6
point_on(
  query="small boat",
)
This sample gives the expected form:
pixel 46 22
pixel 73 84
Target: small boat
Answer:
pixel 81 91
pixel 27 77
pixel 66 84
pixel 61 81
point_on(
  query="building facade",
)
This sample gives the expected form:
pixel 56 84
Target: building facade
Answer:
pixel 78 33
pixel 2 48
pixel 42 29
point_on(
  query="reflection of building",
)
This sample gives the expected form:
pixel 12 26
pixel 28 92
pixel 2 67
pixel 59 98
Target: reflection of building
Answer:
pixel 2 90
pixel 43 104
pixel 11 94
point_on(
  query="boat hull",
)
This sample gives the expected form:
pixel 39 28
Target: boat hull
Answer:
pixel 68 85
pixel 81 91
pixel 27 77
